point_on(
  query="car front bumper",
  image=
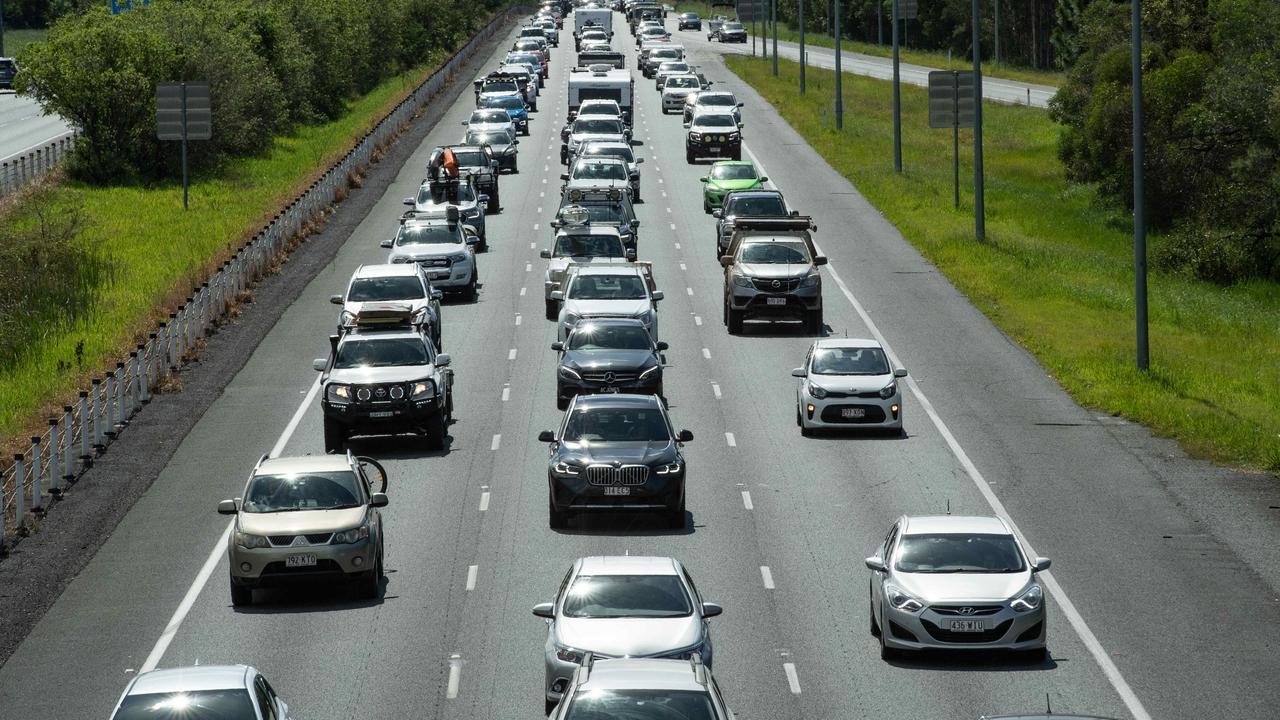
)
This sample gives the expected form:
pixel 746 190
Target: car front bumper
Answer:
pixel 268 567
pixel 923 630
pixel 761 304
pixel 850 412
pixel 392 418
pixel 458 277
pixel 714 146
pixel 574 492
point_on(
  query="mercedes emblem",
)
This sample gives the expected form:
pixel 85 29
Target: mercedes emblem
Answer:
pixel 609 378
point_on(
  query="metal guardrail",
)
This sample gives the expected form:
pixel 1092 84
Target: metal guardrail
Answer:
pixel 20 169
pixel 86 429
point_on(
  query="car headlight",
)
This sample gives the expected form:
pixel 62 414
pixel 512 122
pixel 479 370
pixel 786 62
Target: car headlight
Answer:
pixel 571 318
pixel 693 136
pixel 686 653
pixel 569 655
pixel 565 468
pixel 811 281
pixel 400 259
pixel 742 281
pixel 248 541
pixel 471 212
pixel 458 257
pixel 346 537
pixel 569 373
pixel 817 391
pixel 889 390
pixel 650 372
pixel 423 389
pixel 1030 600
pixel 338 393
pixel 900 600
pixel 668 469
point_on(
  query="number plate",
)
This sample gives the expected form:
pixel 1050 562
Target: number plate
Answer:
pixel 966 626
pixel 609 390
pixel 381 414
pixel 617 490
pixel 714 150
pixel 775 301
pixel 307 560
pixel 853 412
pixel 439 275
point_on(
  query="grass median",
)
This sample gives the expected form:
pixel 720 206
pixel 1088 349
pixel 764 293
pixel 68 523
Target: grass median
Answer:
pixel 154 251
pixel 1056 271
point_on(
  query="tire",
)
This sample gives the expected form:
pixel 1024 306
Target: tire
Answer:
pixel 448 409
pixel 549 706
pixel 470 293
pixel 436 432
pixel 735 321
pixel 737 155
pixel 493 205
pixel 371 581
pixel 871 614
pixel 813 322
pixel 887 653
pixel 335 437
pixel 706 207
pixel 635 195
pixel 558 519
pixel 552 309
pixel 799 422
pixel 483 245
pixel 675 518
pixel 688 156
pixel 241 595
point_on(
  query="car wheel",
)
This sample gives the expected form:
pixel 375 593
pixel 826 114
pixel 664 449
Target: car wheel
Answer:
pixel 871 613
pixel 553 309
pixel 494 205
pixel 635 195
pixel 483 245
pixel 737 155
pixel 335 437
pixel 886 652
pixel 448 408
pixel 371 581
pixel 735 321
pixel 706 207
pixel 241 595
pixel 813 322
pixel 562 403
pixel 558 519
pixel 436 432
pixel 550 705
pixel 688 156
pixel 799 422
pixel 675 518
pixel 471 293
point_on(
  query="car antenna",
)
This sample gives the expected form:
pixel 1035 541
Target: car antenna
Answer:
pixel 1048 709
pixel 948 506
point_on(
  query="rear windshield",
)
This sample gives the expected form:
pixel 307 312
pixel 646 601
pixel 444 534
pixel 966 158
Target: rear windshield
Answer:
pixel 199 704
pixel 303 491
pixel 379 289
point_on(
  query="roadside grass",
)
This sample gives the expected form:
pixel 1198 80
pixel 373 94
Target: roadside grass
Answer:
pixel 156 251
pixel 15 40
pixel 1056 271
pixel 927 58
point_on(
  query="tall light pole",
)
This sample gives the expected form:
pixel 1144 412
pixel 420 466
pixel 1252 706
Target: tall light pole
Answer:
pixel 839 90
pixel 997 35
pixel 801 47
pixel 879 22
pixel 979 212
pixel 773 18
pixel 1 28
pixel 897 96
pixel 1139 197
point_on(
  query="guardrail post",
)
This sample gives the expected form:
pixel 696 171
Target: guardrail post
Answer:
pixel 68 422
pixel 122 411
pixel 35 474
pixel 135 382
pixel 19 490
pixel 55 458
pixel 152 373
pixel 86 435
pixel 108 406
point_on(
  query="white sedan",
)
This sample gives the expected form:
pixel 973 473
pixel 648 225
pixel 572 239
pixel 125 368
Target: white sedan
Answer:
pixel 847 383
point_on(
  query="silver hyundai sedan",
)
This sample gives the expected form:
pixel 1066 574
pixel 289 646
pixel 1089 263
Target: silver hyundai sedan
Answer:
pixel 623 606
pixel 956 583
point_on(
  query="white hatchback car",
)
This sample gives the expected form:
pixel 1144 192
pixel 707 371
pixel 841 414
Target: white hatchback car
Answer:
pixel 207 691
pixel 845 383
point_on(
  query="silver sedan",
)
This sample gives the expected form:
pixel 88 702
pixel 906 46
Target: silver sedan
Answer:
pixel 956 583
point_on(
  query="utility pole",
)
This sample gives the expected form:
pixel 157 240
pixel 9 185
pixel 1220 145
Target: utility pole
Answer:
pixel 879 22
pixel 1 28
pixel 773 12
pixel 1139 197
pixel 997 35
pixel 979 212
pixel 897 96
pixel 802 47
pixel 839 89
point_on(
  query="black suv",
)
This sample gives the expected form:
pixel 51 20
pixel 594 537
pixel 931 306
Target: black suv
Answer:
pixel 8 70
pixel 384 380
pixel 608 355
pixel 615 452
pixel 745 204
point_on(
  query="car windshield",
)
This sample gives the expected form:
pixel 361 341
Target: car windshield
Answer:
pixel 969 553
pixel 621 152
pixel 490 116
pixel 734 172
pixel 617 424
pixel 607 287
pixel 641 705
pixel 381 352
pixel 667 67
pixel 690 16
pixel 589 246
pixel 442 234
pixel 595 170
pixel 664 54
pixel 194 705
pixel 682 82
pixel 598 126
pixel 494 86
pixel 471 158
pixel 489 138
pixel 378 289
pixel 756 206
pixel 774 253
pixel 619 596
pixel 718 100
pixel 591 336
pixel 849 361
pixel 454 194
pixel 610 109
pixel 302 491
pixel 509 102
pixel 732 26
pixel 716 121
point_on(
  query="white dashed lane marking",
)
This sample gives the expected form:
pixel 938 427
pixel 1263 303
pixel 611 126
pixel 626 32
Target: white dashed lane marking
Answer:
pixel 793 680
pixel 767 576
pixel 746 500
pixel 511 355
pixel 471 577
pixel 484 501
pixel 506 394
pixel 455 676
pixel 706 353
pixel 697 320
pixel 730 439
pixel 497 440
pixel 715 390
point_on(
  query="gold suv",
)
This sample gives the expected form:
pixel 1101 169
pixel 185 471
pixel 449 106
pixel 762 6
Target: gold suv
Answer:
pixel 312 518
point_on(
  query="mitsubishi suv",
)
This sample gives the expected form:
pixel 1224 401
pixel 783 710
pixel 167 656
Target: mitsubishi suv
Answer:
pixel 771 272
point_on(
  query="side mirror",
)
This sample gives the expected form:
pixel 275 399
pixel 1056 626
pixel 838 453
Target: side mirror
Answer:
pixel 378 500
pixel 764 178
pixel 443 360
pixel 726 260
pixel 227 507
pixel 564 176
pixel 463 123
pixel 795 213
pixel 710 609
pixel 557 294
pixel 658 295
pixel 639 160
pixel 320 364
pixel 1041 564
pixel 544 254
pixel 386 243
pixel 635 223
pixel 557 346
pixel 820 260
pixel 409 201
pixel 631 254
pixel 684 436
pixel 900 372
pixel 335 299
pixel 515 142
pixel 717 213
pixel 546 436
pixel 704 179
pixel 875 563
pixel 799 372
pixel 740 104
pixel 545 610
pixel 662 346
pixel 437 294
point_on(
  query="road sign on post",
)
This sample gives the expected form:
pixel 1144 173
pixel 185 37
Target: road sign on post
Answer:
pixel 183 112
pixel 908 9
pixel 951 105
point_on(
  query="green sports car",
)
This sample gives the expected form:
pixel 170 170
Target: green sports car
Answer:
pixel 728 175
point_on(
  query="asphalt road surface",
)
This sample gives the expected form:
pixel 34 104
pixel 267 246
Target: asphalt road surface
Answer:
pixel 1163 593
pixel 24 126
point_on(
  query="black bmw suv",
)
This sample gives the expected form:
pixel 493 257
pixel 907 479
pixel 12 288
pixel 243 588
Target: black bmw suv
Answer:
pixel 608 355
pixel 616 452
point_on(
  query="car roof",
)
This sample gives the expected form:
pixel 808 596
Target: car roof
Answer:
pixel 933 524
pixel 617 400
pixel 303 463
pixel 846 343
pixel 387 270
pixel 202 677
pixel 627 565
pixel 642 674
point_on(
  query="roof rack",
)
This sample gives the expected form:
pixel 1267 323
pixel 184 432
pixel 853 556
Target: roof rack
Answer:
pixel 792 222
pixel 383 315
pixel 450 214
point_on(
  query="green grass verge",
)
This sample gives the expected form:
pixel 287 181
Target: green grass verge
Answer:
pixel 15 40
pixel 1056 271
pixel 928 58
pixel 156 250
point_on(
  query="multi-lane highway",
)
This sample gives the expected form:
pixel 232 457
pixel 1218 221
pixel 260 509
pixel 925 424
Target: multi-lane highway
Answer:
pixel 24 126
pixel 1163 593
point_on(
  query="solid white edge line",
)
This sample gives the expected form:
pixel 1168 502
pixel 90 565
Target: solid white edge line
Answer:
pixel 793 680
pixel 766 575
pixel 1073 616
pixel 188 600
pixel 471 576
